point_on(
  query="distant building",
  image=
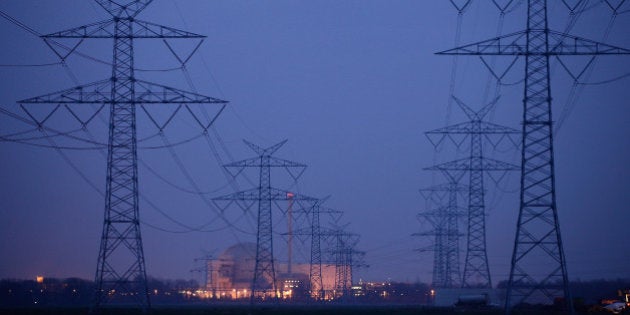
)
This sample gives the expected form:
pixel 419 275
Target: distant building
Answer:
pixel 232 273
pixel 449 297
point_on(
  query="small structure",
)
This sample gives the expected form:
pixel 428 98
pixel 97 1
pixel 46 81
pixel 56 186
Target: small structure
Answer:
pixel 464 297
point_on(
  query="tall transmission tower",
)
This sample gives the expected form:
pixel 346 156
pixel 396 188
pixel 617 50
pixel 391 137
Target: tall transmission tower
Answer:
pixel 315 272
pixel 476 267
pixel 316 232
pixel 538 272
pixel 205 270
pixel 444 221
pixel 290 234
pixel 120 272
pixel 264 195
pixel 345 258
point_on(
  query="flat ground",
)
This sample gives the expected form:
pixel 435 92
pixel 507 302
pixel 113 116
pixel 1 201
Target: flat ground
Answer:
pixel 279 310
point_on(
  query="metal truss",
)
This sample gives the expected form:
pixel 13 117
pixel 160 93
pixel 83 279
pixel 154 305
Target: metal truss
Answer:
pixel 345 259
pixel 107 29
pixel 120 272
pixel 444 221
pixel 315 271
pixel 476 267
pixel 145 93
pixel 538 272
pixel 516 44
pixel 264 273
pixel 316 232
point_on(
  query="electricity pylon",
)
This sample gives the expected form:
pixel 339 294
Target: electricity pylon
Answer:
pixel 345 259
pixel 264 271
pixel 315 272
pixel 476 267
pixel 317 282
pixel 206 271
pixel 444 221
pixel 538 271
pixel 120 272
pixel 315 232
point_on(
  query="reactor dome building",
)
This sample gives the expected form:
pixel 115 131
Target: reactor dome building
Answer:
pixel 231 274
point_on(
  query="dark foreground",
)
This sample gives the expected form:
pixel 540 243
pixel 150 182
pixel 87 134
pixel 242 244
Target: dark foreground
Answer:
pixel 283 310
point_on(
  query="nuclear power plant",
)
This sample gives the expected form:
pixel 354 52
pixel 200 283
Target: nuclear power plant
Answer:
pixel 273 238
pixel 231 275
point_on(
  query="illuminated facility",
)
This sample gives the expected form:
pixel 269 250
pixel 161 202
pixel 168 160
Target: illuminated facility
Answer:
pixel 232 272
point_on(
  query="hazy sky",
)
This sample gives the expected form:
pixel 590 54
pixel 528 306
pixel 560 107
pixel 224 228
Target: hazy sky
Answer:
pixel 352 85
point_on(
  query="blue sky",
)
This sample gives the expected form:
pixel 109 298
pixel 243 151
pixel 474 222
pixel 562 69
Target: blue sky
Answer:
pixel 352 85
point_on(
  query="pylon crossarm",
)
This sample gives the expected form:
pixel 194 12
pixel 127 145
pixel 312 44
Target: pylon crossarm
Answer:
pixel 492 128
pixel 332 212
pixel 516 44
pixel 152 93
pixel 510 44
pixel 461 128
pixel 100 92
pixel 280 194
pixel 496 165
pixel 253 194
pixel 102 29
pixel 334 215
pixel 456 165
pixel 106 29
pixel 258 162
pixel 565 44
pixel 316 205
pixel 464 165
pixel 145 29
pixel 93 93
pixel 467 128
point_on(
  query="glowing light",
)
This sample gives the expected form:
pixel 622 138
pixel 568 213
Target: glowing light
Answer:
pixel 40 279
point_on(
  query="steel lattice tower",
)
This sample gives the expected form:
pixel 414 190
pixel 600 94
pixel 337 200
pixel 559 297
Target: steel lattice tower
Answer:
pixel 264 272
pixel 538 270
pixel 476 267
pixel 206 270
pixel 343 261
pixel 315 272
pixel 315 232
pixel 120 272
pixel 444 220
pixel 344 252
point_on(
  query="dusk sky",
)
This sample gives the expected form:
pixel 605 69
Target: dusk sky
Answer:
pixel 352 84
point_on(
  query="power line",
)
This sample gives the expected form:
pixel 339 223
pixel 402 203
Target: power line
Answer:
pixel 538 231
pixel 121 228
pixel 65 47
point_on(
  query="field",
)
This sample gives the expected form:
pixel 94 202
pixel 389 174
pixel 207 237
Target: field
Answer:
pixel 279 310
